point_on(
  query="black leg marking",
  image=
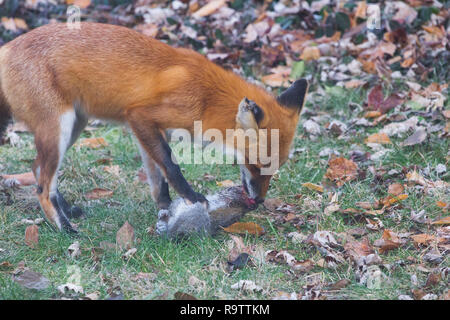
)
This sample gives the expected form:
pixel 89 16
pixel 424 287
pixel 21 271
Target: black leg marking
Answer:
pixel 72 212
pixel 164 199
pixel 62 217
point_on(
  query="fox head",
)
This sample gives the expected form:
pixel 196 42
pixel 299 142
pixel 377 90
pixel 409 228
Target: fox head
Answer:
pixel 268 126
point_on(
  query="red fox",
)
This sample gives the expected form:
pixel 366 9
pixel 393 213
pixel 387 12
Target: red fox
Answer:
pixel 54 78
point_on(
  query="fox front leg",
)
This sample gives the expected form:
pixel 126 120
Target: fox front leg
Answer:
pixel 152 141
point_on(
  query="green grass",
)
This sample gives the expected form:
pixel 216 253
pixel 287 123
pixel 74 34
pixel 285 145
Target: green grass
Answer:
pixel 173 263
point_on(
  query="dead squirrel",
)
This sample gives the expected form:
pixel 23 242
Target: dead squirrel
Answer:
pixel 225 207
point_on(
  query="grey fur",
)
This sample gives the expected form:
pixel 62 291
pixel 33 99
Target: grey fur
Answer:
pixel 225 207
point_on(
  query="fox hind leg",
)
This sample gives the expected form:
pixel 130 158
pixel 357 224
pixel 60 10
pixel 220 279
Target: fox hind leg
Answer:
pixel 51 148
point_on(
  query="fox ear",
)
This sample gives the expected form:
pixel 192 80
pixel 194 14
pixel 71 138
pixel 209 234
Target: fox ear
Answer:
pixel 249 115
pixel 294 96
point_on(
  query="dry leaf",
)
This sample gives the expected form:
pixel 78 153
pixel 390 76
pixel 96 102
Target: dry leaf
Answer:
pixel 32 280
pixel 272 204
pixel 125 236
pixel 380 138
pixel 445 220
pixel 423 238
pixel 245 227
pixel 396 189
pixel 209 8
pixel 310 53
pixel 276 80
pixel 93 143
pixel 225 183
pixel 312 186
pixel 372 114
pixel 98 193
pixel 83 4
pixel 351 84
pixel 32 236
pixel 416 138
pixel 341 170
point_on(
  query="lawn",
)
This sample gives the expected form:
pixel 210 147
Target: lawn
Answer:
pixel 198 266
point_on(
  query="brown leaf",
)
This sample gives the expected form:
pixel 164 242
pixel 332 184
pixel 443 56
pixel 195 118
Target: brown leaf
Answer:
pixel 376 101
pixel 32 236
pixel 356 250
pixel 396 189
pixel 433 279
pixel 312 186
pixel 423 238
pixel 388 245
pixel 183 296
pixel 272 204
pixel 245 227
pixel 375 97
pixel 276 80
pixel 341 170
pixel 93 143
pixel 338 285
pixel 209 8
pixel 225 183
pixel 310 53
pixel 125 236
pixel 372 114
pixel 351 84
pixel 445 220
pixel 380 138
pixel 98 193
pixel 80 3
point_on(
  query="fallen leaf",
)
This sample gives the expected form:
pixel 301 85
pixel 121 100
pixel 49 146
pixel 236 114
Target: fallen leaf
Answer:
pixel 310 53
pixel 225 183
pixel 357 249
pixel 445 220
pixel 209 8
pixel 272 204
pixel 416 138
pixel 338 285
pixel 341 170
pixel 245 227
pixel 98 193
pixel 83 4
pixel 32 280
pixel 276 80
pixel 125 236
pixel 74 250
pixel 183 296
pixel 423 238
pixel 32 236
pixel 380 138
pixel 312 186
pixel 396 189
pixel 246 285
pixel 433 279
pixel 93 143
pixel 70 287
